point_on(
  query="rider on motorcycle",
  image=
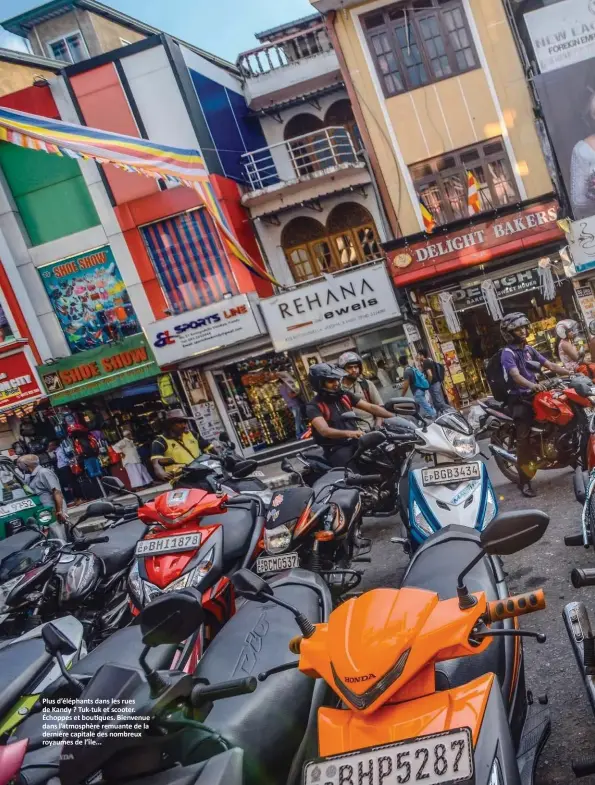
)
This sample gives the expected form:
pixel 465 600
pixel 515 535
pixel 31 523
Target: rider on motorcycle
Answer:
pixel 570 356
pixel 355 383
pixel 329 429
pixel 515 359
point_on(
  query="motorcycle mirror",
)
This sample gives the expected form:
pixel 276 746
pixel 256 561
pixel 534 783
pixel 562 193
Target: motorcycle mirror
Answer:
pixel 286 466
pixel 253 587
pixel 511 532
pixel 224 436
pixel 95 509
pixel 113 483
pixel 55 640
pixel 244 468
pixel 403 406
pixel 172 617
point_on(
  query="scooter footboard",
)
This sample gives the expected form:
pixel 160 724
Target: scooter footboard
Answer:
pixel 578 627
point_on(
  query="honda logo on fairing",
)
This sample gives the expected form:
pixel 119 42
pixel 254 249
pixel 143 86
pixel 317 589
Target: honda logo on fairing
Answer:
pixel 357 679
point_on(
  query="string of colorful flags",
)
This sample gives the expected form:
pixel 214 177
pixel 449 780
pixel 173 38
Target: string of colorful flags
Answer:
pixel 172 164
pixel 473 204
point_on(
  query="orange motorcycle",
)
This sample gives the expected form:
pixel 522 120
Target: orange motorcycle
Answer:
pixel 419 699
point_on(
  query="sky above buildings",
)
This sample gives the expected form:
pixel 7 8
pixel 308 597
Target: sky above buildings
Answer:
pixel 224 27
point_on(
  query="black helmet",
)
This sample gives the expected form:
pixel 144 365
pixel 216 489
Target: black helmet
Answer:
pixel 350 358
pixel 512 321
pixel 322 372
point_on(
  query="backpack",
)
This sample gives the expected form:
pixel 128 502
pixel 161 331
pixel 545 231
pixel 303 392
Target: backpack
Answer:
pixel 366 388
pixel 496 378
pixel 421 380
pixel 439 372
pixel 326 412
pixel 86 446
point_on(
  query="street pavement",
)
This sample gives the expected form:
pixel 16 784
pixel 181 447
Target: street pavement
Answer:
pixel 550 668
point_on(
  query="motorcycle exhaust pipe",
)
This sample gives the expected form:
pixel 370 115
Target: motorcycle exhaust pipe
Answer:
pixel 579 481
pixel 578 627
pixel 502 453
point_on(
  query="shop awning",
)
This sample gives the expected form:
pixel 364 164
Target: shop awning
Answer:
pixel 132 154
pixel 100 370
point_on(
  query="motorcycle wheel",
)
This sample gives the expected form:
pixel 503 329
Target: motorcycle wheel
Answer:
pixel 591 517
pixel 505 440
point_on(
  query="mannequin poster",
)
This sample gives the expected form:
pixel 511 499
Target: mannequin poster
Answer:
pixel 90 299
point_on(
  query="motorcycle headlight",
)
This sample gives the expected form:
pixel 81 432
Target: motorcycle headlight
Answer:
pixel 496 774
pixel 490 510
pixel 420 520
pixel 150 591
pixel 464 446
pixel 194 577
pixel 277 540
pixel 45 517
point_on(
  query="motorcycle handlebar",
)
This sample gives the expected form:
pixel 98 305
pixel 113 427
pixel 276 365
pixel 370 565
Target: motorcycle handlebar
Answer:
pixel 83 544
pixel 225 689
pixel 363 479
pixel 518 605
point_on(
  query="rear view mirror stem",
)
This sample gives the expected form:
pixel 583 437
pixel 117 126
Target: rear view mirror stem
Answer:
pixel 467 600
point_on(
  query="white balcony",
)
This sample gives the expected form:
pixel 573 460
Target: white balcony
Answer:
pixel 295 65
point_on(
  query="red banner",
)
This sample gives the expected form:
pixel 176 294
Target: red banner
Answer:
pixel 477 243
pixel 17 381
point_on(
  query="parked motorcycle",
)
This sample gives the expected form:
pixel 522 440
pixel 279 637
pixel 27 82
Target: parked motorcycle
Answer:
pixel 85 577
pixel 196 540
pixel 455 489
pixel 559 436
pixel 222 708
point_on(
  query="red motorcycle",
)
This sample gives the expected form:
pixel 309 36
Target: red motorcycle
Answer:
pixel 196 540
pixel 560 435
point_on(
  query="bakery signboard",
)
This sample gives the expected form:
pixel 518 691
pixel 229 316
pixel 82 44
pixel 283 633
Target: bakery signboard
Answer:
pixel 476 244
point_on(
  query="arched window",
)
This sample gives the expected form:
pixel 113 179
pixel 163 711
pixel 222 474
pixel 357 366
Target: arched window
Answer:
pixel 341 114
pixel 348 239
pixel 308 146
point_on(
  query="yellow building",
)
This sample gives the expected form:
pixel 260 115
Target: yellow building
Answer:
pixel 20 69
pixel 444 109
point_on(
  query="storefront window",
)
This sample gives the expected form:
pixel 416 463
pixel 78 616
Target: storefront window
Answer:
pixel 255 395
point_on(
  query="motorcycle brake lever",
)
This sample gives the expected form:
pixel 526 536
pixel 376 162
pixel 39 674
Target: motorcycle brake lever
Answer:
pixel 277 669
pixel 477 637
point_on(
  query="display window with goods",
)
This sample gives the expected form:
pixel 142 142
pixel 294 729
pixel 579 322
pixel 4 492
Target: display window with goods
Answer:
pixel 263 399
pixel 466 351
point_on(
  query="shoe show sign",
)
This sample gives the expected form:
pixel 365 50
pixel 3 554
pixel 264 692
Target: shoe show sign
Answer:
pixel 332 306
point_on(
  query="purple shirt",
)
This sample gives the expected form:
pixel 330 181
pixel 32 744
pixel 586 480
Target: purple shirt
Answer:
pixel 517 357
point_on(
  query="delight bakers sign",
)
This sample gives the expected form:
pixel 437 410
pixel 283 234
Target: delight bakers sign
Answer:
pixel 331 307
pixel 476 244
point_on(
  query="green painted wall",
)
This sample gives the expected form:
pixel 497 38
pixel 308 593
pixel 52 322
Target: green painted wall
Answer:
pixel 49 191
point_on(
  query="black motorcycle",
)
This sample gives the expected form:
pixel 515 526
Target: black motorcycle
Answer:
pixel 85 577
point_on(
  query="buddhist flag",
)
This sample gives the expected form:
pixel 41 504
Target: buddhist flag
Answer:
pixel 428 218
pixel 473 194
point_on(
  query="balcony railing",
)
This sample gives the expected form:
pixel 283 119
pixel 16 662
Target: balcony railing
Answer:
pixel 303 156
pixel 284 52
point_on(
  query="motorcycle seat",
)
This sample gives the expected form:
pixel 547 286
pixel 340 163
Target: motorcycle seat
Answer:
pixel 124 647
pixel 119 551
pixel 435 567
pixel 18 542
pixel 252 641
pixel 238 525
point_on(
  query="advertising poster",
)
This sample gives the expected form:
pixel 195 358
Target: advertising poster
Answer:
pixel 18 382
pixel 567 96
pixel 562 33
pixel 90 300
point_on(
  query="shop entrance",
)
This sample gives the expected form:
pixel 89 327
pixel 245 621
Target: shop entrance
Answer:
pixel 466 353
pixel 257 399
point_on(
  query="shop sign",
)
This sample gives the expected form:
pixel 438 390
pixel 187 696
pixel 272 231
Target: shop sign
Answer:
pixel 203 330
pixel 99 370
pixel 562 33
pixel 90 300
pixel 207 420
pixel 507 286
pixel 586 301
pixel 18 381
pixel 475 245
pixel 411 332
pixel 581 243
pixel 334 306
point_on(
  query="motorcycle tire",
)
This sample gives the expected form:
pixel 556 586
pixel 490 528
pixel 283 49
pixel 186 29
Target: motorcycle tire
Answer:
pixel 506 443
pixel 591 516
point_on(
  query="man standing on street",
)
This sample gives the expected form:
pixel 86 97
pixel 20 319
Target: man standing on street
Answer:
pixel 435 375
pixel 44 483
pixel 355 383
pixel 415 380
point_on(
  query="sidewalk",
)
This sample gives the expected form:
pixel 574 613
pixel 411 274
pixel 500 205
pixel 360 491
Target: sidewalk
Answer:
pixel 274 477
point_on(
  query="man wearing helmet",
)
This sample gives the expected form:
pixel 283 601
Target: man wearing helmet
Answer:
pixel 355 383
pixel 516 359
pixel 325 410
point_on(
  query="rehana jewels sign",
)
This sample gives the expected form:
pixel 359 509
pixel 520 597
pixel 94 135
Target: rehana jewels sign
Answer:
pixel 336 305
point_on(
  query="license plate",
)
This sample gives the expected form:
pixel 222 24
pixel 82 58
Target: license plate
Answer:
pixel 159 545
pixel 277 563
pixel 9 509
pixel 458 472
pixel 440 759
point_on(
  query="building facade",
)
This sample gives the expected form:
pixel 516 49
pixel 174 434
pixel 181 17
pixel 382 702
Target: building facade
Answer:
pixel 450 117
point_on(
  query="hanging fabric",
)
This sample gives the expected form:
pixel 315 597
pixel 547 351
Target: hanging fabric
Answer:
pixel 547 284
pixel 131 154
pixel 491 300
pixel 452 320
